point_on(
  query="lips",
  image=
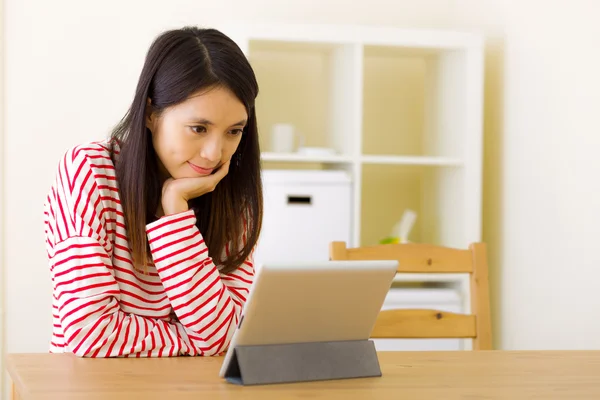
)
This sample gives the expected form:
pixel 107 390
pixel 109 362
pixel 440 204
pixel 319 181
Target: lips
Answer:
pixel 200 170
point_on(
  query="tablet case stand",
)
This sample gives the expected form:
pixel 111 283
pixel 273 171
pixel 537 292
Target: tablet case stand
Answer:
pixel 302 362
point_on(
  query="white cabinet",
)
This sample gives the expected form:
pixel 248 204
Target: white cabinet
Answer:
pixel 303 212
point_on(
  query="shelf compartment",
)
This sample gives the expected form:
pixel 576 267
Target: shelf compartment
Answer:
pixel 435 194
pixel 313 86
pixel 422 94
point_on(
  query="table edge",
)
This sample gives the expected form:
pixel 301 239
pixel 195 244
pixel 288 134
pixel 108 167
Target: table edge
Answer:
pixel 15 379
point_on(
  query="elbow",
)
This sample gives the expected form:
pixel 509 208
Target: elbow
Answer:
pixel 74 345
pixel 92 352
pixel 82 348
pixel 81 352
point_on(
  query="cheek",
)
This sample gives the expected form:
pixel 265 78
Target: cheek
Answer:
pixel 173 148
pixel 172 144
pixel 230 148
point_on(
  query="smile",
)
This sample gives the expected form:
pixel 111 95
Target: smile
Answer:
pixel 200 170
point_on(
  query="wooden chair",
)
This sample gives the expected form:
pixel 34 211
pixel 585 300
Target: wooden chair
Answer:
pixel 425 258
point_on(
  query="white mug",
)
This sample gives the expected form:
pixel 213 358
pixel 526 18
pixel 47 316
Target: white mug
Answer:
pixel 283 138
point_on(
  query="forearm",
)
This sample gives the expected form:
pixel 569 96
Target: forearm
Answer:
pixel 207 303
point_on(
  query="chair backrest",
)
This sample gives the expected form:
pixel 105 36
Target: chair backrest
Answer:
pixel 425 258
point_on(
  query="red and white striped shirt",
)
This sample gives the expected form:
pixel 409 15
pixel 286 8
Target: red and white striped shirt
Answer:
pixel 103 306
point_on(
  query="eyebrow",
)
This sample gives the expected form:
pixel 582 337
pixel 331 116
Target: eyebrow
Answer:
pixel 204 121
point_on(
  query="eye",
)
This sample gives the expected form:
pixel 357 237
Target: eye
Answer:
pixel 236 132
pixel 198 129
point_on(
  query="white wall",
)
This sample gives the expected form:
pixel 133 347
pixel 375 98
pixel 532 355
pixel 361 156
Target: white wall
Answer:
pixel 71 68
pixel 550 192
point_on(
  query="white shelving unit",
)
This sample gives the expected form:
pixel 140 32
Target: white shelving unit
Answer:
pixel 402 109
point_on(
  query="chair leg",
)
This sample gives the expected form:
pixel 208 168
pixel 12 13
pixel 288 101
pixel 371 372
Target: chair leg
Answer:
pixel 14 395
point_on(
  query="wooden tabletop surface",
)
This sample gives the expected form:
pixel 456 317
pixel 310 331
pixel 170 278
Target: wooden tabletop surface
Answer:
pixel 514 375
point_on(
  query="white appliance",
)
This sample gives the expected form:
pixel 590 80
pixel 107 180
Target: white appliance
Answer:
pixel 442 299
pixel 304 211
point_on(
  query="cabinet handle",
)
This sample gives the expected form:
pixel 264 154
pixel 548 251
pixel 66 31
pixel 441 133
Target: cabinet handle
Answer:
pixel 305 200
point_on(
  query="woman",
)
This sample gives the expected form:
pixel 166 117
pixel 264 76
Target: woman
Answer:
pixel 150 233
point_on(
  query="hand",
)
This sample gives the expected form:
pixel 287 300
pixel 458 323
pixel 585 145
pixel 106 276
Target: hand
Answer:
pixel 177 192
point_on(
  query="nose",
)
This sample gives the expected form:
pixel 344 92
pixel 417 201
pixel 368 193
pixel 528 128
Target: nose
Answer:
pixel 212 148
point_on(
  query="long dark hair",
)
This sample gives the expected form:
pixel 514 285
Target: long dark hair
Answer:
pixel 178 64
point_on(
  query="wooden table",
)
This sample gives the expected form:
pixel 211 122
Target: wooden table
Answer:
pixel 565 375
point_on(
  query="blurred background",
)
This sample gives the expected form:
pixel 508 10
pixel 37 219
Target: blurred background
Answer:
pixel 70 68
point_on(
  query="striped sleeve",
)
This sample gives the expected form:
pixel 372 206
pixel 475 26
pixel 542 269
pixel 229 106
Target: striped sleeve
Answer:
pixel 207 302
pixel 85 289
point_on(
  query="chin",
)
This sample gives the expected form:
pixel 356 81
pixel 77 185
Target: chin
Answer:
pixel 181 174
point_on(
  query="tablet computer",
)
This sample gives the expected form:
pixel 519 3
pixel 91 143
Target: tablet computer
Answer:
pixel 312 302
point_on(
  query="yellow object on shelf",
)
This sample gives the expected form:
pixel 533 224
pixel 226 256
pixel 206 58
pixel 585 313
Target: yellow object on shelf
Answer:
pixel 389 240
pixel 402 229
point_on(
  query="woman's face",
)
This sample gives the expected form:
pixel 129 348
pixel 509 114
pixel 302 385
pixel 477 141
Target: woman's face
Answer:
pixel 197 136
